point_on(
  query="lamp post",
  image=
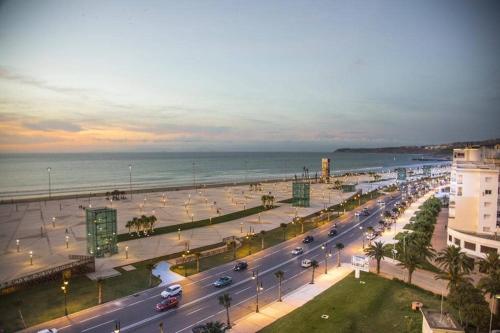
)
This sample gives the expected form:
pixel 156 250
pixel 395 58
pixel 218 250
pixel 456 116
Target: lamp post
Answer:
pixel 241 227
pixel 327 254
pixel 179 234
pixel 258 288
pixel 362 236
pixel 53 222
pixel 50 190
pixel 67 239
pixel 31 258
pixel 184 260
pixel 192 217
pixel 126 252
pixel 17 245
pixel 117 327
pixel 65 291
pixel 130 180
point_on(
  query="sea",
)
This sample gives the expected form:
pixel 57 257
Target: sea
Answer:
pixel 26 175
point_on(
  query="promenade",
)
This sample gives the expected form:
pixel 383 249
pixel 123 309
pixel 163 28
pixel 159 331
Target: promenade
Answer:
pixel 42 227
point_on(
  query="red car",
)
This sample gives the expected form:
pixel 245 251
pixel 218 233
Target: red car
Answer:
pixel 166 304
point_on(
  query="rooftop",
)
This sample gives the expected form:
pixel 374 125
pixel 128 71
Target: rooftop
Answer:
pixel 436 319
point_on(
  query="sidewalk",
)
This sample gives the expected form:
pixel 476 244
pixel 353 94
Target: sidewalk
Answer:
pixel 254 322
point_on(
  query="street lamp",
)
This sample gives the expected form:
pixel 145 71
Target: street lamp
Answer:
pixel 67 239
pixel 362 236
pixel 53 222
pixel 179 234
pixel 65 291
pixel 130 180
pixel 17 245
pixel 126 252
pixel 241 227
pixel 50 190
pixel 327 254
pixel 258 288
pixel 192 217
pixel 117 327
pixel 184 260
pixel 31 258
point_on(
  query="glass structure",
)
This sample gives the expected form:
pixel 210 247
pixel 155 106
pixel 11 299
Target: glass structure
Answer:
pixel 301 194
pixel 101 231
pixel 401 173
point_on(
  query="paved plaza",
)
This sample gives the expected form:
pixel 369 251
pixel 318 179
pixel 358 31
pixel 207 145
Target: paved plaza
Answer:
pixel 43 227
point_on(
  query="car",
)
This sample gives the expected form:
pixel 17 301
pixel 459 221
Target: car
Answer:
pixel 240 265
pixel 169 303
pixel 365 209
pixel 223 281
pixel 308 239
pixel 366 213
pixel 297 250
pixel 173 290
pixel 48 330
pixel 332 232
pixel 306 263
pixel 357 214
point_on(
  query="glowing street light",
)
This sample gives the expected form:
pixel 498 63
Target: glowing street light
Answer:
pixel 258 288
pixel 31 258
pixel 65 291
pixel 17 245
pixel 179 233
pixel 67 239
pixel 126 252
pixel 53 222
pixel 192 217
pixel 117 327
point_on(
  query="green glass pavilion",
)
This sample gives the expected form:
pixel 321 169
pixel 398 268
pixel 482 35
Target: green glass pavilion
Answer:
pixel 101 231
pixel 301 194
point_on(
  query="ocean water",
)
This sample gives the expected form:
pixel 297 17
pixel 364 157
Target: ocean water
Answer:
pixel 26 175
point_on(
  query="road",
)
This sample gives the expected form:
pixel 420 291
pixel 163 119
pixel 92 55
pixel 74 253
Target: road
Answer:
pixel 199 302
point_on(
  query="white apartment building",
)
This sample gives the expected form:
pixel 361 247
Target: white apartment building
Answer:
pixel 474 213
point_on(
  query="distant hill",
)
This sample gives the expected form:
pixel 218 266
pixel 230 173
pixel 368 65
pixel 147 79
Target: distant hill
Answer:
pixel 441 150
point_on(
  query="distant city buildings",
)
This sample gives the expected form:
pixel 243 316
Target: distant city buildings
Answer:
pixel 474 209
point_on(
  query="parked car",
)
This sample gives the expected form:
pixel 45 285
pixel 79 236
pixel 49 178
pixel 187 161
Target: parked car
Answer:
pixel 332 232
pixel 357 214
pixel 173 290
pixel 48 330
pixel 297 251
pixel 306 263
pixel 240 265
pixel 366 213
pixel 308 239
pixel 223 281
pixel 168 303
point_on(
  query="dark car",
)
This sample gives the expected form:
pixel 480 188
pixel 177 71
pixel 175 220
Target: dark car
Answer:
pixel 332 232
pixel 223 281
pixel 366 213
pixel 240 265
pixel 308 239
pixel 168 303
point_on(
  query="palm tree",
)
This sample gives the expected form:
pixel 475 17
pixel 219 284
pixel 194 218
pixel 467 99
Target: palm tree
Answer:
pixel 283 227
pixel 150 267
pixel 197 256
pixel 214 327
pixel 490 285
pixel 376 251
pixel 99 282
pixel 490 263
pixel 413 255
pixel 279 275
pixel 262 233
pixel 271 200
pixel 129 225
pixel 152 222
pixel 225 301
pixel 339 247
pixel 264 200
pixel 314 265
pixel 455 264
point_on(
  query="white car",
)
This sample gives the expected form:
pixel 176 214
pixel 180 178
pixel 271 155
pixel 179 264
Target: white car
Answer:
pixel 381 202
pixel 297 250
pixel 48 330
pixel 306 263
pixel 357 214
pixel 173 290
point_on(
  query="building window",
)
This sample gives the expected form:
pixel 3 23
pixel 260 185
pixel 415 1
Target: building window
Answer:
pixel 486 216
pixel 457 241
pixel 487 179
pixel 459 191
pixel 450 238
pixel 487 249
pixel 460 179
pixel 470 246
pixel 459 155
pixel 487 192
pixel 487 204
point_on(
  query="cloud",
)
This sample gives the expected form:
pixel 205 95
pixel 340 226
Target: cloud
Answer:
pixel 53 125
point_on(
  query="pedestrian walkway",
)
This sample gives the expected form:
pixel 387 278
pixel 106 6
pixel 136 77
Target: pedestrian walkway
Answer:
pixel 438 240
pixel 272 312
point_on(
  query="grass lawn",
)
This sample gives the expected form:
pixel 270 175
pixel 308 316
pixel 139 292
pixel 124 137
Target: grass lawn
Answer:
pixel 379 305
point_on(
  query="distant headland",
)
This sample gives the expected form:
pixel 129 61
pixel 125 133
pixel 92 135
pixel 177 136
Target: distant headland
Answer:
pixel 442 150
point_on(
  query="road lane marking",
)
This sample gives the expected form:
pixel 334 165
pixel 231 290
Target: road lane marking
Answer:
pixel 239 292
pixel 190 313
pixel 91 328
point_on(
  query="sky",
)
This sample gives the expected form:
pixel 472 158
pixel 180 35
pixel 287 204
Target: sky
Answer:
pixel 104 75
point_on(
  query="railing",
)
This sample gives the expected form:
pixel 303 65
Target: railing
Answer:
pixel 83 264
